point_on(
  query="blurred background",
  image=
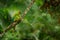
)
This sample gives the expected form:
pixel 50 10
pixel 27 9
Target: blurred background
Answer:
pixel 42 21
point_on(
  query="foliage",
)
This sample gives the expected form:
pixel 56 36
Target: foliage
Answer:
pixel 41 22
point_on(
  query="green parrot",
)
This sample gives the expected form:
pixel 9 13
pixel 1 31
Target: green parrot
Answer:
pixel 16 16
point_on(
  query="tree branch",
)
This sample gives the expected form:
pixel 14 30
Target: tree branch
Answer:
pixel 12 25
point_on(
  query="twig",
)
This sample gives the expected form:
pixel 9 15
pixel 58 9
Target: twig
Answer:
pixel 36 38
